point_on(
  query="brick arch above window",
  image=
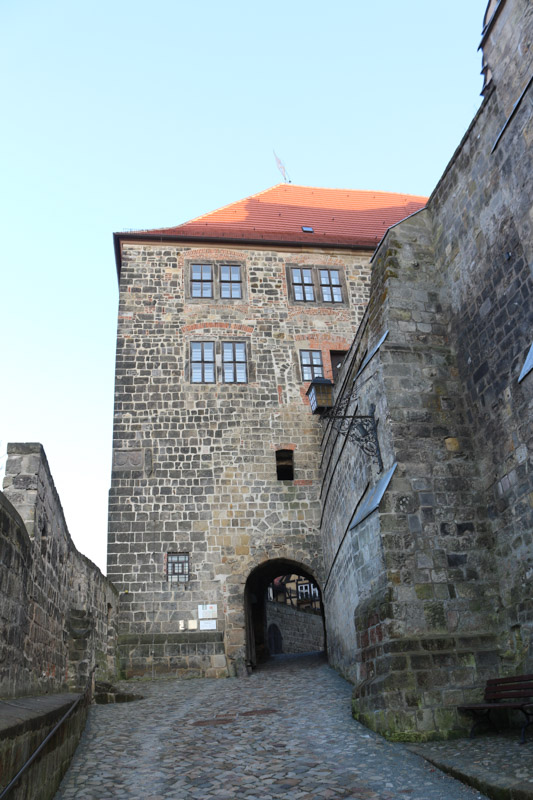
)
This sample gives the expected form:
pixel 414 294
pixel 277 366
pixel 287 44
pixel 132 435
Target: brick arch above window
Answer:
pixel 232 328
pixel 218 254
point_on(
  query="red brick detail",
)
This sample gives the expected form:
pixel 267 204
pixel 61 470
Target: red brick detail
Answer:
pixel 230 326
pixel 302 482
pixel 210 254
pixel 319 260
pixel 280 395
pixel 323 340
pixel 284 447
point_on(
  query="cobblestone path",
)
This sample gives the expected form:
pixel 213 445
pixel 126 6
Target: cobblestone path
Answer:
pixel 284 732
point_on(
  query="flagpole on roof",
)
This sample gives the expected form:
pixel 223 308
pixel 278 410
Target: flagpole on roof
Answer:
pixel 281 166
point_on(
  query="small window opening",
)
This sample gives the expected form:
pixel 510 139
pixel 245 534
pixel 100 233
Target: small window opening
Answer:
pixel 337 359
pixel 307 229
pixel 285 465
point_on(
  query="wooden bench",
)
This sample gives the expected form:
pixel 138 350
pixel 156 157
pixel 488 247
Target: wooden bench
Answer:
pixel 515 694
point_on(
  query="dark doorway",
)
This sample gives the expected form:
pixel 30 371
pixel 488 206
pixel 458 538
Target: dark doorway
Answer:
pixel 260 643
pixel 275 640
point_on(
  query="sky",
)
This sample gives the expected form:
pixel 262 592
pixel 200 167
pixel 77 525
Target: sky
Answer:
pixel 127 115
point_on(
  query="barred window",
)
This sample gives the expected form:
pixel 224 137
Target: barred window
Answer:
pixel 311 362
pixel 202 362
pixel 201 280
pixel 302 284
pixel 330 284
pixel 230 281
pixel 177 567
pixel 234 362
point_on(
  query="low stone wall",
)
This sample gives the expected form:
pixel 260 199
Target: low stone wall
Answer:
pixel 191 654
pixel 301 631
pixel 24 725
pixel 57 610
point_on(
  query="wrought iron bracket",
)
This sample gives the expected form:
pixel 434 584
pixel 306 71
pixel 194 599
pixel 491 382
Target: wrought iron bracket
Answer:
pixel 360 429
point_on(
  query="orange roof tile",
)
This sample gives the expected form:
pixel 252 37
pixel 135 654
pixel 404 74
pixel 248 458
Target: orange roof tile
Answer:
pixel 337 216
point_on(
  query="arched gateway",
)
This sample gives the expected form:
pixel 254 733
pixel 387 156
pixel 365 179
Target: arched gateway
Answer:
pixel 256 601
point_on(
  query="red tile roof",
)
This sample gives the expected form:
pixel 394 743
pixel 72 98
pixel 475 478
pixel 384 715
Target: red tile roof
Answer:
pixel 337 216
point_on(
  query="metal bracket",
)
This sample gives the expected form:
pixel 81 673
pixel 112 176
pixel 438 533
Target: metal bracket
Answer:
pixel 360 429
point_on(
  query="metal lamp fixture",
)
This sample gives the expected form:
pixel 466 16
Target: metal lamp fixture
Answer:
pixel 320 394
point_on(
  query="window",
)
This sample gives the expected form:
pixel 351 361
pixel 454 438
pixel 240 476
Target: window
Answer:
pixel 311 362
pixel 234 362
pixel 330 285
pixel 201 280
pixel 216 281
pixel 337 359
pixel 319 285
pixel 307 591
pixel 177 567
pixel 284 465
pixel 230 281
pixel 302 284
pixel 202 362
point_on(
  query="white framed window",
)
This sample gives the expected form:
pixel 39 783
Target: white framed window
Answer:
pixel 234 362
pixel 201 280
pixel 302 284
pixel 330 285
pixel 202 362
pixel 311 364
pixel 230 281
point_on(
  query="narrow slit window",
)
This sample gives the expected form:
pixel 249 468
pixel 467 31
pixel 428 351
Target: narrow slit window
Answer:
pixel 330 284
pixel 302 284
pixel 311 363
pixel 202 362
pixel 201 280
pixel 285 465
pixel 234 362
pixel 230 281
pixel 177 567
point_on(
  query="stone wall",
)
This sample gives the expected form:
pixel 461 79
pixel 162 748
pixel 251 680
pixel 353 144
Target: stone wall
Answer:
pixel 482 217
pixel 24 725
pixel 301 631
pixel 416 578
pixel 435 582
pixel 58 612
pixel 194 468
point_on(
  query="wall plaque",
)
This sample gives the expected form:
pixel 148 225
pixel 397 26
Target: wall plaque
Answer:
pixel 128 459
pixel 207 611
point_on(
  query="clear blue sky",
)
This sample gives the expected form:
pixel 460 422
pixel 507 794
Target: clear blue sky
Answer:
pixel 122 115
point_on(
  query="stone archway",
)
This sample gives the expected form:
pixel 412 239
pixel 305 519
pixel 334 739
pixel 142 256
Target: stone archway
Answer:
pixel 255 599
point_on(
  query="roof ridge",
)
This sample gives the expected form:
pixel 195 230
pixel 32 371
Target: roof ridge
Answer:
pixel 339 189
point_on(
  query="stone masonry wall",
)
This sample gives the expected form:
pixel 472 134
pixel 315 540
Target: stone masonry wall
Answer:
pixel 482 216
pixel 194 464
pixel 58 611
pixel 301 631
pixel 437 580
pixel 24 725
pixel 417 577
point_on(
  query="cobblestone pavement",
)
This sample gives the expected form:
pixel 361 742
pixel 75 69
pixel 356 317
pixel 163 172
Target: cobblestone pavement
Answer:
pixel 497 764
pixel 284 732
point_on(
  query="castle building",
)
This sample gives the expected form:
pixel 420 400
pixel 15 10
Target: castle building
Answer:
pixel 410 504
pixel 223 323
